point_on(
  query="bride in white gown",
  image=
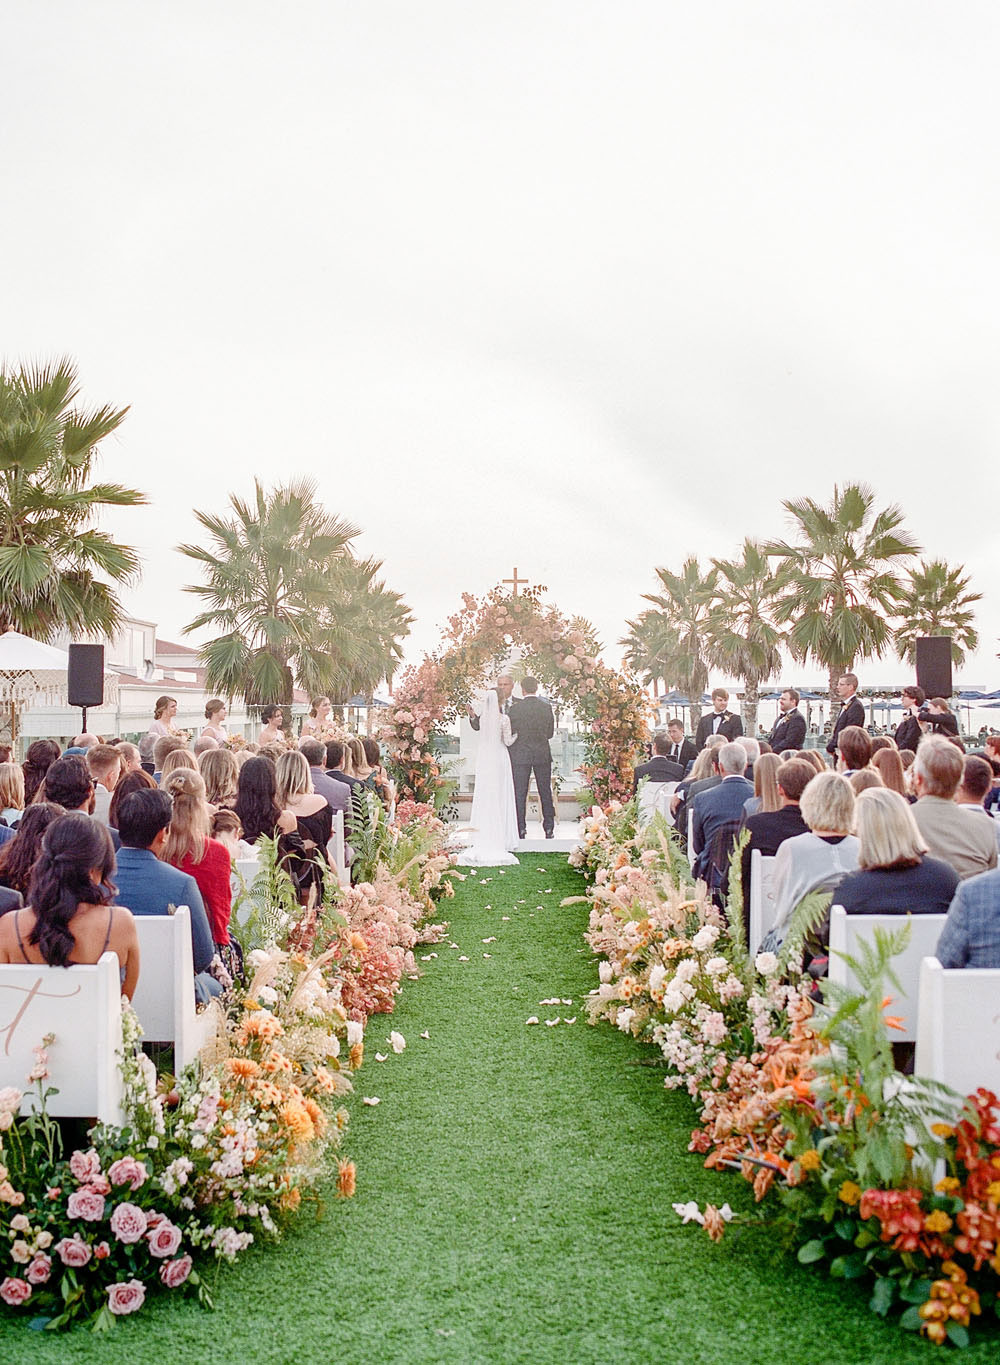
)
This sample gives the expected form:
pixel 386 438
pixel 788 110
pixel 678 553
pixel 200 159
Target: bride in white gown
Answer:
pixel 494 818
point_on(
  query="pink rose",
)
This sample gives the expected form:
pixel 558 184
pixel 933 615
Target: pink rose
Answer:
pixel 40 1268
pixel 127 1296
pixel 164 1239
pixel 73 1251
pixel 102 1251
pixel 86 1203
pixel 128 1171
pixel 86 1166
pixel 14 1291
pixel 128 1223
pixel 174 1273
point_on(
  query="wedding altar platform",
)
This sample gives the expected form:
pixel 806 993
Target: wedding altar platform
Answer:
pixel 567 837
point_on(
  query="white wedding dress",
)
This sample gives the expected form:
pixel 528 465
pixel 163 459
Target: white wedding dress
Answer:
pixel 494 817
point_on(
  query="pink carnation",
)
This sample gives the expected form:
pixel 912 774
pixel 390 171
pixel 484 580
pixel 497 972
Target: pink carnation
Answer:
pixel 164 1239
pixel 15 1291
pixel 86 1166
pixel 174 1273
pixel 128 1223
pixel 86 1203
pixel 128 1171
pixel 127 1296
pixel 40 1268
pixel 73 1251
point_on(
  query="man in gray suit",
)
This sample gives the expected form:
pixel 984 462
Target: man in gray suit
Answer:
pixel 533 725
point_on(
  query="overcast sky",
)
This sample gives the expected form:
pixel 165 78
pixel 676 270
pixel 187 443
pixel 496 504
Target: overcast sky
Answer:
pixel 580 287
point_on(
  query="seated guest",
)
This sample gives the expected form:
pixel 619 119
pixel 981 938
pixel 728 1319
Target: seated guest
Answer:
pixel 854 749
pixel 81 743
pixel 258 811
pixel 221 773
pixel 135 781
pixel 718 721
pixel 969 845
pixel 104 765
pixel 790 728
pixel 360 767
pixel 765 786
pixel 864 779
pixel 335 763
pixel 190 848
pixel 702 777
pixel 130 758
pixel 975 787
pixel 181 758
pixel 909 730
pixel 272 731
pixel 814 757
pixel 68 783
pixel 894 874
pixel 720 804
pixel 227 829
pixel 819 860
pixel 70 919
pixel 19 855
pixel 889 766
pixel 41 754
pixel 383 785
pixel 660 768
pixel 204 744
pixel 769 830
pixel 681 750
pixel 992 801
pixel 313 819
pixel 941 718
pixel 880 742
pixel 149 887
pixel 336 793
pixel 971 933
pixel 11 793
pixel 164 745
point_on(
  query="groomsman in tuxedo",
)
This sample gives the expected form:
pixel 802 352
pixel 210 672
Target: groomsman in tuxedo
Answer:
pixel 790 730
pixel 852 712
pixel 680 749
pixel 718 721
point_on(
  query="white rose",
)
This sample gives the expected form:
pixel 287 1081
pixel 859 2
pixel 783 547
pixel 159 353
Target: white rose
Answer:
pixel 705 937
pixel 605 971
pixel 657 977
pixel 766 963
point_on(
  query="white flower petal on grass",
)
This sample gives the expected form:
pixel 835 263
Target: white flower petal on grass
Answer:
pixel 567 1002
pixel 381 1056
pixel 552 1000
pixel 548 890
pixel 370 1099
pixel 689 1212
pixel 425 1034
pixel 550 1023
pixel 463 959
pixel 487 955
pixel 726 1214
pixel 427 957
pixel 397 1040
pixel 532 1020
pixel 504 918
pixel 570 1021
pixel 492 939
pixel 487 907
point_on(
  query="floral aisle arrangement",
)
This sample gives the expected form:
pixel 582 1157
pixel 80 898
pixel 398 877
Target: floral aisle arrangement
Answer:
pixel 561 653
pixel 224 1154
pixel 797 1095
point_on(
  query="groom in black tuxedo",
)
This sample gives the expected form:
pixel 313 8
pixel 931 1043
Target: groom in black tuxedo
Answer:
pixel 719 721
pixel 533 724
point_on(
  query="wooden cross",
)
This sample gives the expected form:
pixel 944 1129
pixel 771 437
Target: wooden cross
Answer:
pixel 515 582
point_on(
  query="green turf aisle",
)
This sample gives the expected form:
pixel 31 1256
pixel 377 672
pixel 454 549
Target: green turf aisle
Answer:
pixel 513 1204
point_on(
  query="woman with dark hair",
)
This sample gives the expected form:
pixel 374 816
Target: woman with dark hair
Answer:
pixel 136 781
pixel 256 804
pixel 71 920
pixel 274 722
pixel 42 753
pixel 18 855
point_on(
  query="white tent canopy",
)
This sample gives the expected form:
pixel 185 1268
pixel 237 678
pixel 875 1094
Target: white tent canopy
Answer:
pixel 35 674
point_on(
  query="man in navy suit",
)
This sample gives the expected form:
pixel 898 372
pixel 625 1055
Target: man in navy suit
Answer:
pixel 790 729
pixel 660 768
pixel 147 886
pixel 852 712
pixel 719 805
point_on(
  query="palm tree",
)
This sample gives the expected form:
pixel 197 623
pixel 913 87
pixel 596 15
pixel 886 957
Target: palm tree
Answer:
pixel 57 571
pixel 649 645
pixel 936 601
pixel 743 639
pixel 837 585
pixel 290 600
pixel 677 632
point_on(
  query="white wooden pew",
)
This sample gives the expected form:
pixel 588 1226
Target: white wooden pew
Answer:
pixel 958 1029
pixel 81 1006
pixel 762 912
pixel 164 998
pixel 337 849
pixel 847 931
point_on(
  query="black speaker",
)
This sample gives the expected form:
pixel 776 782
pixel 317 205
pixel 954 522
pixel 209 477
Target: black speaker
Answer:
pixel 934 665
pixel 85 676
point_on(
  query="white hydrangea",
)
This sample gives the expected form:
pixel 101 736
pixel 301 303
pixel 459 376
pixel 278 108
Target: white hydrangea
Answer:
pixel 766 963
pixel 705 937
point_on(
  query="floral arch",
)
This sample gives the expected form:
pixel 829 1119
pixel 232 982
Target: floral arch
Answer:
pixel 559 652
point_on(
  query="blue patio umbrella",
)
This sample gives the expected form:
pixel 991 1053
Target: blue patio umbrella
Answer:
pixel 675 698
pixel 975 696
